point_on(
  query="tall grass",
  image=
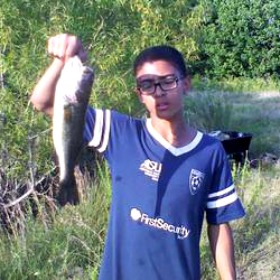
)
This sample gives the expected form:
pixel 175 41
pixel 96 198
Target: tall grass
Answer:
pixel 208 111
pixel 112 31
pixel 67 247
pixel 70 246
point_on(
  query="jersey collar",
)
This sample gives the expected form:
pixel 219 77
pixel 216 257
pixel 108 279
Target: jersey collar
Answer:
pixel 173 150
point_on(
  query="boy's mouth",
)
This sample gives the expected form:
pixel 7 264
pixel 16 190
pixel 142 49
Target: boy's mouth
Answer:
pixel 162 106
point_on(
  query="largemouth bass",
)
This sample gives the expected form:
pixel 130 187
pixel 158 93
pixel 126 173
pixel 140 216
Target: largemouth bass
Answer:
pixel 70 104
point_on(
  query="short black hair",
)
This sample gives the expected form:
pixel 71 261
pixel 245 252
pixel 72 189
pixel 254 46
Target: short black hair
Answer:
pixel 161 52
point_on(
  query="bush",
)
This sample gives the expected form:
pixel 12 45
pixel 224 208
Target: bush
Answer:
pixel 241 38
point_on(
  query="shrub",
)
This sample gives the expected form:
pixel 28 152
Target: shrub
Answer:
pixel 241 38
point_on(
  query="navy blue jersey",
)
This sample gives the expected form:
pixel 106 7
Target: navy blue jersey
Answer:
pixel 160 194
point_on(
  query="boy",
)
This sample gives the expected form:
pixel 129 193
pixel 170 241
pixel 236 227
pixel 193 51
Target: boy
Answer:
pixel 165 174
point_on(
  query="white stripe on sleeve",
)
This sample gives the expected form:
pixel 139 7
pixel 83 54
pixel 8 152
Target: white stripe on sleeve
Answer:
pixel 222 192
pixel 98 127
pixel 222 201
pixel 106 131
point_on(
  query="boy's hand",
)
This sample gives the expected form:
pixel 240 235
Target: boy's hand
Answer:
pixel 64 46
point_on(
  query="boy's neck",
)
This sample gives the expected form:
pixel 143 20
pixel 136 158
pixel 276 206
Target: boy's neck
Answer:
pixel 178 133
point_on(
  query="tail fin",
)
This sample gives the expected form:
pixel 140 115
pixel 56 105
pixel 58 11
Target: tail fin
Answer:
pixel 68 192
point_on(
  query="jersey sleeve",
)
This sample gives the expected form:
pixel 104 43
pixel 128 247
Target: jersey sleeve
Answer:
pixel 97 128
pixel 223 203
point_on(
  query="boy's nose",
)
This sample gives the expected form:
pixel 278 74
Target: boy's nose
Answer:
pixel 159 91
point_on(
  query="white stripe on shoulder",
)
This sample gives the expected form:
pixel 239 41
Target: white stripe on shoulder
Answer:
pixel 222 201
pixel 107 124
pixel 222 192
pixel 98 128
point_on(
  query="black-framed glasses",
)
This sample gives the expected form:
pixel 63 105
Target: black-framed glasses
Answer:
pixel 148 85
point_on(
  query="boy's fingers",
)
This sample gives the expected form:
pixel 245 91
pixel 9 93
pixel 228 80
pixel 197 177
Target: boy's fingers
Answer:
pixel 54 46
pixel 73 45
pixel 50 45
pixel 65 46
pixel 57 45
pixel 62 44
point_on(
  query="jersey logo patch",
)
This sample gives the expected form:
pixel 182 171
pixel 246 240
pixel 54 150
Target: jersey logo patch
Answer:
pixel 195 181
pixel 151 169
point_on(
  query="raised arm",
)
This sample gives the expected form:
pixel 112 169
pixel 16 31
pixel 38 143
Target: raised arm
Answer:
pixel 61 47
pixel 222 247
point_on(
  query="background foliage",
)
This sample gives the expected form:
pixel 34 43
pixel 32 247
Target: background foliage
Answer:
pixel 113 31
pixel 218 38
pixel 241 38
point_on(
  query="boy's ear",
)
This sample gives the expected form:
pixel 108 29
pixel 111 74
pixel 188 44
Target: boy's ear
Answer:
pixel 187 84
pixel 137 91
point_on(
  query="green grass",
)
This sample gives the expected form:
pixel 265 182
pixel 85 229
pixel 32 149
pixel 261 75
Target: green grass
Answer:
pixel 69 246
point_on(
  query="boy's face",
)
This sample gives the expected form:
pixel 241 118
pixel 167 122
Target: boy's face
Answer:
pixel 161 88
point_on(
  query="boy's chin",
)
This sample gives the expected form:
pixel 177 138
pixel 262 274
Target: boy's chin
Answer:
pixel 168 116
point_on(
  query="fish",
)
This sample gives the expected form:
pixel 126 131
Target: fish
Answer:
pixel 72 94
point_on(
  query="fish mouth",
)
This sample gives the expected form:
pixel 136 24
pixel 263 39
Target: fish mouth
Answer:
pixel 88 70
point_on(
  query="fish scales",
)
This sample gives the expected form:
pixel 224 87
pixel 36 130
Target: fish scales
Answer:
pixel 70 104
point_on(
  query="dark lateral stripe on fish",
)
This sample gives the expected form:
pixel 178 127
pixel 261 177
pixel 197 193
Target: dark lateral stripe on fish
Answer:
pixel 89 123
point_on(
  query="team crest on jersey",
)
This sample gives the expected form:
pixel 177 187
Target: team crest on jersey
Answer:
pixel 151 169
pixel 195 181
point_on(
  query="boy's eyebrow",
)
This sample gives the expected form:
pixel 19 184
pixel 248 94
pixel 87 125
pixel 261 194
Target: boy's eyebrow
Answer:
pixel 146 77
pixel 152 77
